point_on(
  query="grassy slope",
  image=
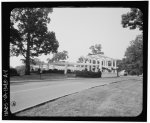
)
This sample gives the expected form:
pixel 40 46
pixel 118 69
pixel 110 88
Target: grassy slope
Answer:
pixel 118 99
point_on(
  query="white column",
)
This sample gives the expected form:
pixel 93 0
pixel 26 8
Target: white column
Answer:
pixel 79 68
pixel 115 64
pixel 115 67
pixel 111 63
pixel 92 65
pixel 96 66
pixel 100 64
pixel 65 71
pixel 88 66
pixel 75 67
pixel 84 65
pixel 105 63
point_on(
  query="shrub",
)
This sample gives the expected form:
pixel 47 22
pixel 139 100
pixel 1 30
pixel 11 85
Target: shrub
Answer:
pixel 21 69
pixel 13 72
pixel 89 74
pixel 53 71
pixel 56 71
pixel 133 72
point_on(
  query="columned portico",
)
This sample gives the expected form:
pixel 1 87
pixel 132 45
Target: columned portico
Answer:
pixel 99 61
pixel 93 63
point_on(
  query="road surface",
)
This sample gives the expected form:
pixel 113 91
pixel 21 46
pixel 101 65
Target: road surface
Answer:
pixel 24 95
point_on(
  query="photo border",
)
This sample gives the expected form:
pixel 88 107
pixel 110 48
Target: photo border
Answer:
pixel 7 7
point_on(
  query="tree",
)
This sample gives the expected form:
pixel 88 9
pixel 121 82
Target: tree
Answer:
pixel 133 61
pixel 59 56
pixel 31 23
pixel 20 69
pixel 133 19
pixel 14 34
pixel 96 49
pixel 37 61
pixel 134 55
pixel 81 59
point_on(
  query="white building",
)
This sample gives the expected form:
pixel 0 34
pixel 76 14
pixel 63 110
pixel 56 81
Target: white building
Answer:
pixel 90 63
pixel 98 61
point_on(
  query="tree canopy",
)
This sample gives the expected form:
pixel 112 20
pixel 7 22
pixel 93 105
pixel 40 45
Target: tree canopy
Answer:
pixel 96 49
pixel 134 54
pixel 133 61
pixel 81 59
pixel 133 19
pixel 14 34
pixel 59 56
pixel 35 39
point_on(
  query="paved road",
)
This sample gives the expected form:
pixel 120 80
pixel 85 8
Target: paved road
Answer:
pixel 26 95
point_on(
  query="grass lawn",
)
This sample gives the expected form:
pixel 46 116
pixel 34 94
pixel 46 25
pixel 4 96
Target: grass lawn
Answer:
pixel 117 99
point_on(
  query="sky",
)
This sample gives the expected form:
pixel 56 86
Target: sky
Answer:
pixel 77 29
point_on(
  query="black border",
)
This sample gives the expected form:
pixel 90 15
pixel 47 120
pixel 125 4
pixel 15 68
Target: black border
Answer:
pixel 6 9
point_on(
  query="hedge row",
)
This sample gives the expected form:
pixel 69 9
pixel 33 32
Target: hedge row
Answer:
pixel 88 74
pixel 56 71
pixel 13 72
pixel 53 71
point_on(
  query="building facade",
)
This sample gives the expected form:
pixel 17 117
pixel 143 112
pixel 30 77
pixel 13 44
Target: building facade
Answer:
pixel 92 63
pixel 99 62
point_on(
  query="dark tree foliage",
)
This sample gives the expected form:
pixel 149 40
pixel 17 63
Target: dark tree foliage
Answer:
pixel 13 72
pixel 134 55
pixel 96 49
pixel 81 59
pixel 133 61
pixel 133 19
pixel 35 39
pixel 59 56
pixel 14 35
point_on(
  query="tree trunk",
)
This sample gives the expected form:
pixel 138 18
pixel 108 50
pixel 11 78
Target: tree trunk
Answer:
pixel 28 56
pixel 117 73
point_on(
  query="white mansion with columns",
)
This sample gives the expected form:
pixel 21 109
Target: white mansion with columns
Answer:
pixel 90 63
pixel 98 61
